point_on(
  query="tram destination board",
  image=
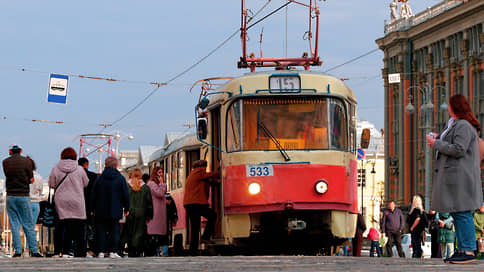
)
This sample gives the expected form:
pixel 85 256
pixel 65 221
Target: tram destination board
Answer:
pixel 285 84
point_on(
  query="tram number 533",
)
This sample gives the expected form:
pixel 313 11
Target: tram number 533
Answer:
pixel 261 170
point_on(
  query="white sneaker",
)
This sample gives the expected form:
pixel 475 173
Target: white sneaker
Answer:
pixel 67 256
pixel 100 255
pixel 89 256
pixel 114 255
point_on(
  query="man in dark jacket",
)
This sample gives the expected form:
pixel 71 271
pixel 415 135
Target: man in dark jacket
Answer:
pixel 109 197
pixel 195 201
pixel 90 226
pixel 392 225
pixel 19 175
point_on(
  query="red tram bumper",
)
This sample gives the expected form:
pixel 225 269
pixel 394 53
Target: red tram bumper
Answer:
pixel 291 187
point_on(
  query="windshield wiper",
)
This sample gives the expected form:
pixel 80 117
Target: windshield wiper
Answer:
pixel 274 140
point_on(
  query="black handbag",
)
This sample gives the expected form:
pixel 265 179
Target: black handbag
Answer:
pixel 48 215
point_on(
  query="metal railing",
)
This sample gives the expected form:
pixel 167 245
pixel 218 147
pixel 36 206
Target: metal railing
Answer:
pixel 430 12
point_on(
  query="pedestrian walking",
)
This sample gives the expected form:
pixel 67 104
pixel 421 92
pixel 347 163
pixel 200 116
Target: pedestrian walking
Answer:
pixel 446 234
pixel 109 200
pixel 417 220
pixel 479 229
pixel 157 227
pixel 35 196
pixel 434 234
pixel 195 201
pixel 457 186
pixel 18 176
pixel 392 226
pixel 69 180
pixel 358 239
pixel 134 232
pixel 374 238
pixel 90 225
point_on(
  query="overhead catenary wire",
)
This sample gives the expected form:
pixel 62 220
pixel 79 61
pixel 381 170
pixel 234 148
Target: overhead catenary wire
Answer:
pixel 186 70
pixel 351 60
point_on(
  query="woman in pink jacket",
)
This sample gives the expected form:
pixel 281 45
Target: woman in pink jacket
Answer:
pixel 157 227
pixel 69 180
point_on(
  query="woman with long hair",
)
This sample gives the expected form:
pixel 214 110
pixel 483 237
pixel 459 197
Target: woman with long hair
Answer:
pixel 457 187
pixel 417 221
pixel 140 211
pixel 157 227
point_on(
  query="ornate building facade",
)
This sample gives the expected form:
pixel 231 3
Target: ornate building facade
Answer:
pixel 437 53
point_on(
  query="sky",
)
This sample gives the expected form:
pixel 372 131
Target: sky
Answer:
pixel 154 41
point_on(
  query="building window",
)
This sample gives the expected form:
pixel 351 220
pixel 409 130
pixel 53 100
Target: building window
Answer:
pixel 420 58
pixel 441 122
pixel 474 41
pixel 437 53
pixel 454 42
pixel 481 97
pixel 361 177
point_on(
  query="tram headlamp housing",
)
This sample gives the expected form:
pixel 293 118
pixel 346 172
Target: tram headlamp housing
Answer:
pixel 321 187
pixel 254 188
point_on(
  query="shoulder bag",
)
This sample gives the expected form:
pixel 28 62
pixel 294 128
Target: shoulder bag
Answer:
pixel 48 214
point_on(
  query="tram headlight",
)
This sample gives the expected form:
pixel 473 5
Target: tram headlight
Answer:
pixel 254 188
pixel 321 187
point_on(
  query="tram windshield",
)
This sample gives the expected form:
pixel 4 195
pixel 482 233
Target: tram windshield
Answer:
pixel 296 123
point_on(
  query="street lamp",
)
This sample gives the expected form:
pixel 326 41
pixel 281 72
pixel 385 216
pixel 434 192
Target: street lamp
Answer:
pixel 427 108
pixel 117 138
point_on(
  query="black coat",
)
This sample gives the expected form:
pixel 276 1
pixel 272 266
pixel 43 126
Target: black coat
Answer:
pixel 110 195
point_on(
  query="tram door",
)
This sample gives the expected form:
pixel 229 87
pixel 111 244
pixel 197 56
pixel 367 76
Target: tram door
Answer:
pixel 216 157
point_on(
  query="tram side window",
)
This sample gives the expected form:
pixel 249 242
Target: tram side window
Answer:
pixel 233 127
pixel 338 126
pixel 352 118
pixel 168 172
pixel 180 169
pixel 174 179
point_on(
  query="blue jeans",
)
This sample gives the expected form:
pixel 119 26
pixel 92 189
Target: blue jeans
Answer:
pixel 464 230
pixel 35 215
pixel 20 213
pixel 375 244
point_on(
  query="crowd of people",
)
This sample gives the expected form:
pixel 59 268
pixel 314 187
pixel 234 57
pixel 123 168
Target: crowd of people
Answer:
pixel 96 215
pixel 90 207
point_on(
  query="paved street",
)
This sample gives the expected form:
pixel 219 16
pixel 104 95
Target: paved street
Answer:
pixel 237 263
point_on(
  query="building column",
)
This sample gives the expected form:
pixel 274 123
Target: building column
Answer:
pixel 446 54
pixel 401 134
pixel 386 132
pixel 464 50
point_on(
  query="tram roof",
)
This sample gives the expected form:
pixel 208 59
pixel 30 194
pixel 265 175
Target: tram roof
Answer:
pixel 258 82
pixel 187 140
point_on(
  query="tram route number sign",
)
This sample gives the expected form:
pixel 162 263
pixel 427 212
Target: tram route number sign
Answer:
pixel 57 89
pixel 360 154
pixel 284 83
pixel 259 170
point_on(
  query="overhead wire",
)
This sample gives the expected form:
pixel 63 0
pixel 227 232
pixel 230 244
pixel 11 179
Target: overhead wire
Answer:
pixel 351 60
pixel 187 69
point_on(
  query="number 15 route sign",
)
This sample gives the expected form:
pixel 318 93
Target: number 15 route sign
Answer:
pixel 57 89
